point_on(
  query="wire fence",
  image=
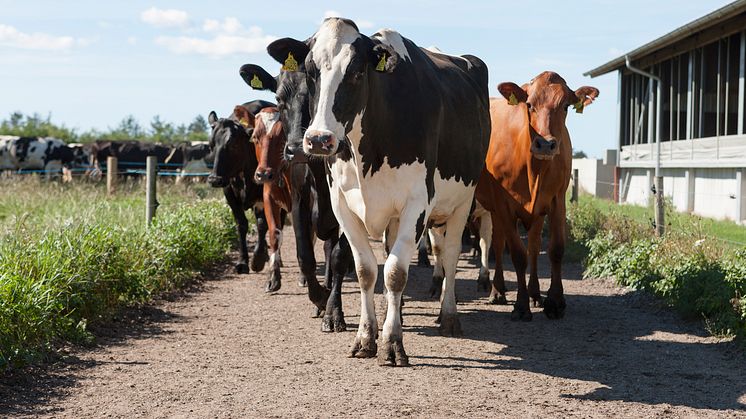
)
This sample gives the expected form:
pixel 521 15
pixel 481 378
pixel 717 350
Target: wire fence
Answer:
pixel 126 168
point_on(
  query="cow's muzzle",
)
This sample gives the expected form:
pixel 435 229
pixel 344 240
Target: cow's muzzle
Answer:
pixel 319 142
pixel 263 176
pixel 217 181
pixel 294 153
pixel 544 148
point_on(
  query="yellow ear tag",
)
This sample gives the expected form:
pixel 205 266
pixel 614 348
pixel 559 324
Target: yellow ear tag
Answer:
pixel 512 100
pixel 290 63
pixel 579 106
pixel 244 122
pixel 256 83
pixel 382 63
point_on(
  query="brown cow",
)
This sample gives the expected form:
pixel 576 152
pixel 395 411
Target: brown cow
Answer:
pixel 269 143
pixel 526 176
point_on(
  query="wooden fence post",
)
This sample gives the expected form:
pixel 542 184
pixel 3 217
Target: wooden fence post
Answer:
pixel 575 183
pixel 111 175
pixel 150 192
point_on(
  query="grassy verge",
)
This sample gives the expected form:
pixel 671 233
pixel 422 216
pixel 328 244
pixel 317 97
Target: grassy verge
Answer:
pixel 70 256
pixel 696 268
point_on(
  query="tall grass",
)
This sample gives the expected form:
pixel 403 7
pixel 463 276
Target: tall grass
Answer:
pixel 70 256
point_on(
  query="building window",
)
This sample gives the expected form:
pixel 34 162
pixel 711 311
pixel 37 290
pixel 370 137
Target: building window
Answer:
pixel 709 94
pixel 732 46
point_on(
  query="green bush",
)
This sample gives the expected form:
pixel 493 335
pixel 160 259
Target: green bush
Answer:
pixel 692 272
pixel 57 279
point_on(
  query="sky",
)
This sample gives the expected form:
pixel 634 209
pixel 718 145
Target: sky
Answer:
pixel 89 64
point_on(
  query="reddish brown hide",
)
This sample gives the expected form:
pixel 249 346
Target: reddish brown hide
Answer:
pixel 269 141
pixel 526 175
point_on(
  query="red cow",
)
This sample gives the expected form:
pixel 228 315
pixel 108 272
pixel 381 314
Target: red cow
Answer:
pixel 526 176
pixel 269 143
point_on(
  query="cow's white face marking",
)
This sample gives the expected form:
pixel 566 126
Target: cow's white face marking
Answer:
pixel 269 119
pixel 331 54
pixel 393 39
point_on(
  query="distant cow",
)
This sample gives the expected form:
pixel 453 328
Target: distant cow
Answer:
pixel 404 132
pixel 190 159
pixel 44 154
pixel 234 168
pixel 525 178
pixel 131 155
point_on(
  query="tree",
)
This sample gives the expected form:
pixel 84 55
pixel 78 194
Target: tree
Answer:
pixel 579 154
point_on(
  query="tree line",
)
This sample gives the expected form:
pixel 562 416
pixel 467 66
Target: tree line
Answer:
pixel 129 128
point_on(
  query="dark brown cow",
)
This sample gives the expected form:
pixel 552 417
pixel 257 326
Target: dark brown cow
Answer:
pixel 525 178
pixel 269 142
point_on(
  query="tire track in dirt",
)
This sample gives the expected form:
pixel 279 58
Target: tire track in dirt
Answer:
pixel 227 349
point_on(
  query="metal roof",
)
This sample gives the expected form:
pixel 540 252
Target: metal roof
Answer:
pixel 677 35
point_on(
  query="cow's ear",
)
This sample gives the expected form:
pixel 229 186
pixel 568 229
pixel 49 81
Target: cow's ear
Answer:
pixel 584 96
pixel 289 52
pixel 512 92
pixel 383 58
pixel 243 116
pixel 257 78
pixel 212 118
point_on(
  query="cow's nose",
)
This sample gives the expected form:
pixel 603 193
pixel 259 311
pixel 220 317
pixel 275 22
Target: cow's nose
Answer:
pixel 544 148
pixel 263 176
pixel 319 142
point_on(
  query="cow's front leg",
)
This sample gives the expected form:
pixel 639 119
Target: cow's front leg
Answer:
pixel 334 319
pixel 242 228
pixel 260 256
pixel 272 211
pixel 554 304
pixel 534 246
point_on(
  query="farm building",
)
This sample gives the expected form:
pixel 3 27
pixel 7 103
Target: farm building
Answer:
pixel 695 105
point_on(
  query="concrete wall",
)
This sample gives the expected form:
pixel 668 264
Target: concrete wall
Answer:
pixel 596 176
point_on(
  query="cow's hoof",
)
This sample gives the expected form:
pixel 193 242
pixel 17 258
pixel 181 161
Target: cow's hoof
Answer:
pixel 258 261
pixel 498 299
pixel 319 296
pixel 302 281
pixel 364 348
pixel 334 322
pixel 554 308
pixel 521 313
pixel 483 282
pixel 392 354
pixel 436 287
pixel 275 282
pixel 450 326
pixel 317 313
pixel 242 268
pixel 538 301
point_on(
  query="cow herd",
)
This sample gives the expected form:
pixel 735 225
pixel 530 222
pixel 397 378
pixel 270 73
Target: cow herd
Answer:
pixel 373 137
pixel 52 157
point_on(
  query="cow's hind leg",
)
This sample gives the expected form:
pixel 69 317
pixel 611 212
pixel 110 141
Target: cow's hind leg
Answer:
pixel 449 322
pixel 554 304
pixel 497 294
pixel 334 319
pixel 260 254
pixel 485 242
pixel 423 260
pixel 534 246
pixel 437 239
pixel 521 309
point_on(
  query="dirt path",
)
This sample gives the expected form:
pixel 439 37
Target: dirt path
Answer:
pixel 229 350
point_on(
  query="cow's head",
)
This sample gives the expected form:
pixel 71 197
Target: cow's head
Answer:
pixel 230 144
pixel 546 100
pixel 289 87
pixel 339 68
pixel 269 143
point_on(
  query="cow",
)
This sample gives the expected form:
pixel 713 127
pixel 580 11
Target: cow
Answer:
pixel 131 155
pixel 404 132
pixel 190 159
pixel 525 178
pixel 233 171
pixel 45 154
pixel 6 162
pixel 311 203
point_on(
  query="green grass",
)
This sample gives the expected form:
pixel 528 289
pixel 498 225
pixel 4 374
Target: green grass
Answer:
pixel 70 256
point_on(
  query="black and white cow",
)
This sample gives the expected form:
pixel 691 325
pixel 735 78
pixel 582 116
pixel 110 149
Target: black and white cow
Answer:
pixel 404 132
pixel 6 162
pixel 233 171
pixel 312 212
pixel 190 159
pixel 45 154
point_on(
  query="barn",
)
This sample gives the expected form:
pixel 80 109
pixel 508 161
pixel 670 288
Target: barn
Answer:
pixel 680 111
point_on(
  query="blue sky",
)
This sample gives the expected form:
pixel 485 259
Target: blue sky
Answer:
pixel 90 63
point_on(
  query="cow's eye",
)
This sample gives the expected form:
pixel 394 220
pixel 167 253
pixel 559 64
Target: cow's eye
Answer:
pixel 530 108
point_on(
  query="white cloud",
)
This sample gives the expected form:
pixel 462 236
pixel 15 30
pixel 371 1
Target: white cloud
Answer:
pixel 165 18
pixel 250 41
pixel 132 40
pixel 12 37
pixel 229 25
